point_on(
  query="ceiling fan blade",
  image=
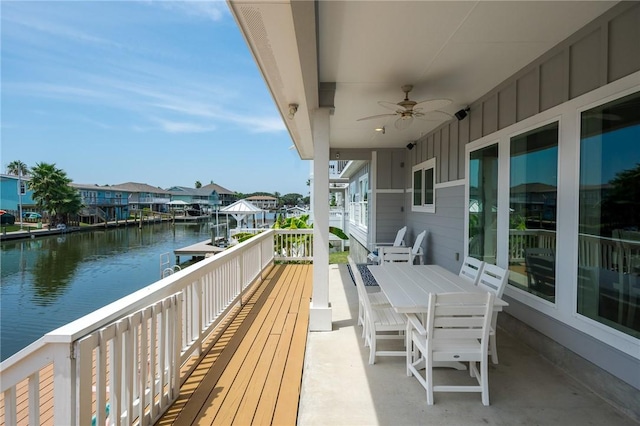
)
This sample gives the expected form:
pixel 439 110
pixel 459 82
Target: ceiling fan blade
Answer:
pixel 432 104
pixel 433 116
pixel 403 122
pixel 376 116
pixel 390 105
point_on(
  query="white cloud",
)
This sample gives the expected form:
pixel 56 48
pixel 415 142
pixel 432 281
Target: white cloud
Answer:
pixel 183 127
pixel 208 9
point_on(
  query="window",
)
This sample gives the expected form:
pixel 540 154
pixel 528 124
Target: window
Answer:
pixel 364 204
pixel 483 203
pixel 609 215
pixel 532 211
pixel 358 200
pixel 424 197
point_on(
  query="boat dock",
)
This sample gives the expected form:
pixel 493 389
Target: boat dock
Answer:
pixel 201 249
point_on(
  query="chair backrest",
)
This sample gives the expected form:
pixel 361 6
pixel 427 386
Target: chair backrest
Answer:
pixel 395 254
pixel 493 279
pixel 471 269
pixel 417 245
pixel 399 241
pixel 459 316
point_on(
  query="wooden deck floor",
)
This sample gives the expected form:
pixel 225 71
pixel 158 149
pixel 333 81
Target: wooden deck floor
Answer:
pixel 253 372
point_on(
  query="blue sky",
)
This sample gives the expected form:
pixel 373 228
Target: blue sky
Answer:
pixel 164 93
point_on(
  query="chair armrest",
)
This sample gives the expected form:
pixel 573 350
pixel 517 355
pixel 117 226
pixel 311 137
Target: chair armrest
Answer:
pixel 383 244
pixel 414 321
pixel 387 244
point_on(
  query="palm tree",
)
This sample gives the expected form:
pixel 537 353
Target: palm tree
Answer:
pixel 198 184
pixel 17 168
pixel 52 192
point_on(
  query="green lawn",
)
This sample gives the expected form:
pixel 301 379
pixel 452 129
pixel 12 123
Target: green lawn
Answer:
pixel 10 228
pixel 338 257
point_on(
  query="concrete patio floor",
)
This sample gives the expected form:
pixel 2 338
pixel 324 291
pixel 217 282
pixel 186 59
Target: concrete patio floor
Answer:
pixel 339 387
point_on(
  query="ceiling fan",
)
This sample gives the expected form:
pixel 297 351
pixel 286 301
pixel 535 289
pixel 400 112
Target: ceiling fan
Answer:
pixel 406 110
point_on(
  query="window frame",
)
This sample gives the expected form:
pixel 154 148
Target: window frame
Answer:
pixel 422 168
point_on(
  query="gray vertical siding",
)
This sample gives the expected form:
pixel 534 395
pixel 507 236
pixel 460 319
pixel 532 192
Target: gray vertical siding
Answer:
pixel 389 216
pixel 445 228
pixel 601 52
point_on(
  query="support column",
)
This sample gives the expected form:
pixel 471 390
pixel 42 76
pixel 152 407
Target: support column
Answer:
pixel 320 310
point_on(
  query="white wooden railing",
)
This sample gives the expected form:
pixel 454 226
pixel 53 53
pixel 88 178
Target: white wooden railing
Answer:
pixel 616 254
pixel 520 240
pixel 294 244
pixel 127 355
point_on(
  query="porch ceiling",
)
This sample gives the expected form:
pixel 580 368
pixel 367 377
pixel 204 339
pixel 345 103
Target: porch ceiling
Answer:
pixel 457 50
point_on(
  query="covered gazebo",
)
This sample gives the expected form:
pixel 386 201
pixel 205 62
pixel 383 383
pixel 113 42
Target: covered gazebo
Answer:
pixel 240 210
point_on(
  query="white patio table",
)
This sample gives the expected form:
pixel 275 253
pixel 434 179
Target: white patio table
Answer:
pixel 408 286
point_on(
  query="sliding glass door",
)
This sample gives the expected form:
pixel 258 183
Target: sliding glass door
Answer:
pixel 532 211
pixel 609 216
pixel 483 203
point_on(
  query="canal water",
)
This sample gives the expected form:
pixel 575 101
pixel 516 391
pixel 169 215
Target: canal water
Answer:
pixel 47 282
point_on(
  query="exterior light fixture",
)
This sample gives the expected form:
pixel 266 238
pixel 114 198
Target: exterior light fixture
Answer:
pixel 293 108
pixel 460 115
pixel 411 145
pixel 380 129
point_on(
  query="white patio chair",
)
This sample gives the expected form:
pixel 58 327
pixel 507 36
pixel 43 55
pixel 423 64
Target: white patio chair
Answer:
pixel 493 279
pixel 394 254
pixel 457 330
pixel 378 319
pixel 416 250
pixel 377 299
pixel 471 269
pixel 399 241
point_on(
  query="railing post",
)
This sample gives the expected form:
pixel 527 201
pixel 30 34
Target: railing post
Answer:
pixel 241 276
pixel 197 306
pixel 64 385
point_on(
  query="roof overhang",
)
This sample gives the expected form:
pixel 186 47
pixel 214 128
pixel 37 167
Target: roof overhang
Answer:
pixel 358 53
pixel 282 38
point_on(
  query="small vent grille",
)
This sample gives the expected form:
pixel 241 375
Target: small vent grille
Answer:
pixel 255 25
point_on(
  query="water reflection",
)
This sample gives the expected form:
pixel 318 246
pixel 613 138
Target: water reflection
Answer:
pixel 54 269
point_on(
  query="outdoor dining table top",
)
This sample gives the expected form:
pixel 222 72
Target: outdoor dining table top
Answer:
pixel 408 286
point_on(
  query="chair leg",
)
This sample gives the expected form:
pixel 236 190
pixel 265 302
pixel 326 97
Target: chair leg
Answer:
pixel 365 331
pixel 429 379
pixel 372 347
pixel 484 381
pixel 493 349
pixel 409 348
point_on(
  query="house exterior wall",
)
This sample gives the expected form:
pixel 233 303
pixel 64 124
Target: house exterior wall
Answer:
pixel 358 225
pixel 599 62
pixel 387 203
pixel 9 194
pixel 444 241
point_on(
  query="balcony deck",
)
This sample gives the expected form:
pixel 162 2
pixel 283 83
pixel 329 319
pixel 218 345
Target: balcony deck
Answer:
pixel 264 368
pixel 253 372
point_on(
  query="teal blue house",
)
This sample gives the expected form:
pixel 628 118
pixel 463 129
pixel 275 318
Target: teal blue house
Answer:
pixel 11 196
pixel 207 198
pixel 102 203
